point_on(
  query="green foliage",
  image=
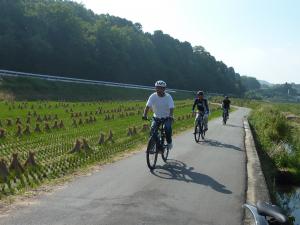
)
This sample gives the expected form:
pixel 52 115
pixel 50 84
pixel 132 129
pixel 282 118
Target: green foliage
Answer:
pixel 276 129
pixel 275 135
pixel 277 132
pixel 64 38
pixel 280 92
pixel 250 83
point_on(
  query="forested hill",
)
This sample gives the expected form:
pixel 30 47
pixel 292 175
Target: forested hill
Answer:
pixel 64 38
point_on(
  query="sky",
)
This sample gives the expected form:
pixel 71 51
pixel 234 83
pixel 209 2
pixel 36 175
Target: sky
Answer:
pixel 259 38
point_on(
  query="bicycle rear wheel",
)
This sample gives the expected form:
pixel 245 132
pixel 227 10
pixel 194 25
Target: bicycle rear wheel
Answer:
pixel 224 118
pixel 151 153
pixel 197 133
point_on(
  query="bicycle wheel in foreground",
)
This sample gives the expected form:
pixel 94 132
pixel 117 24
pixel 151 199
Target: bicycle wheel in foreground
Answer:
pixel 165 154
pixel 224 118
pixel 151 153
pixel 202 131
pixel 197 133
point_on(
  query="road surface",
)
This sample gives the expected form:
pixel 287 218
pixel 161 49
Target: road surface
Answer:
pixel 201 184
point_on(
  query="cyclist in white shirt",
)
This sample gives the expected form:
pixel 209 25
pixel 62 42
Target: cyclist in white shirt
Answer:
pixel 162 106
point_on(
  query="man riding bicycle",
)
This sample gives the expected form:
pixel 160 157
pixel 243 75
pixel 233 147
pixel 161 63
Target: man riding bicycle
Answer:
pixel 202 108
pixel 162 105
pixel 226 105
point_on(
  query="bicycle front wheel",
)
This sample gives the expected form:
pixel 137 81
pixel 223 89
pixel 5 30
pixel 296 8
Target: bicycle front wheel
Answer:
pixel 151 153
pixel 197 133
pixel 224 118
pixel 202 131
pixel 165 154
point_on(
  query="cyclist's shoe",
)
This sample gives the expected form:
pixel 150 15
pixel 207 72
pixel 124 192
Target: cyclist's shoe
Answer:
pixel 170 146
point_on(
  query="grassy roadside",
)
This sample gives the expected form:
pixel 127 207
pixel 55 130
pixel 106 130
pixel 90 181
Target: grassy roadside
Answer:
pixel 276 130
pixel 278 138
pixel 277 141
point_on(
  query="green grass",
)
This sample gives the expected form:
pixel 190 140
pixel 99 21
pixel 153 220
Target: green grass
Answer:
pixel 278 143
pixel 37 89
pixel 277 140
pixel 277 136
pixel 52 148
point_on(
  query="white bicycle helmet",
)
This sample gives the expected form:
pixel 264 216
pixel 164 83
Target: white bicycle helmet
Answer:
pixel 160 83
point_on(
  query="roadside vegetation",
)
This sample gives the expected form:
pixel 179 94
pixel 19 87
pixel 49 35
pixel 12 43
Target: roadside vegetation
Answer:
pixel 288 92
pixel 276 129
pixel 277 132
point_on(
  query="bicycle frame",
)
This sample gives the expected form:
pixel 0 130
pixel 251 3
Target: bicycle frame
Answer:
pixel 225 111
pixel 160 134
pixel 156 144
pixel 200 118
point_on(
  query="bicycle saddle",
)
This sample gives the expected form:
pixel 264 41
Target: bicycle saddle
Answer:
pixel 267 209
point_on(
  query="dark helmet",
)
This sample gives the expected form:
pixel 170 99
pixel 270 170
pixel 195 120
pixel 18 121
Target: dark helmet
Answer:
pixel 199 93
pixel 226 97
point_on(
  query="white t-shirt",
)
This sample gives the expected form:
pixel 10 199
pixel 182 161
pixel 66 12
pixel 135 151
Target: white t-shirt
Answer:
pixel 160 105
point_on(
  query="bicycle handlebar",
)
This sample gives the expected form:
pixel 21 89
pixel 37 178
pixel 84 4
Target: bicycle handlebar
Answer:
pixel 147 119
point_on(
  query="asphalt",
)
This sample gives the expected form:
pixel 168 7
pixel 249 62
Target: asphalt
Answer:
pixel 202 183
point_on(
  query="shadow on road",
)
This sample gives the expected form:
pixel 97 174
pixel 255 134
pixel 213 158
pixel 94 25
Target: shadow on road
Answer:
pixel 216 143
pixel 177 170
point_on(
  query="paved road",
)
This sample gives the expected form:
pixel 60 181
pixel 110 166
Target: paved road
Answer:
pixel 202 184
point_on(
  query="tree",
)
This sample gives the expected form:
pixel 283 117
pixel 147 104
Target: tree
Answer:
pixel 64 38
pixel 250 83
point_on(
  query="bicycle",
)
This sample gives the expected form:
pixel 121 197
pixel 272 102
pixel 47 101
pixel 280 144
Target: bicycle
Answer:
pixel 157 144
pixel 266 214
pixel 199 128
pixel 225 116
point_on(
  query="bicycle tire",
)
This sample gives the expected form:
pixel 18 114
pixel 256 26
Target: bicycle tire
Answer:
pixel 165 154
pixel 197 133
pixel 151 153
pixel 202 132
pixel 224 118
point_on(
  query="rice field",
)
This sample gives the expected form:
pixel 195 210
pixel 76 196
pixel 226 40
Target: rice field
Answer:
pixel 43 140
